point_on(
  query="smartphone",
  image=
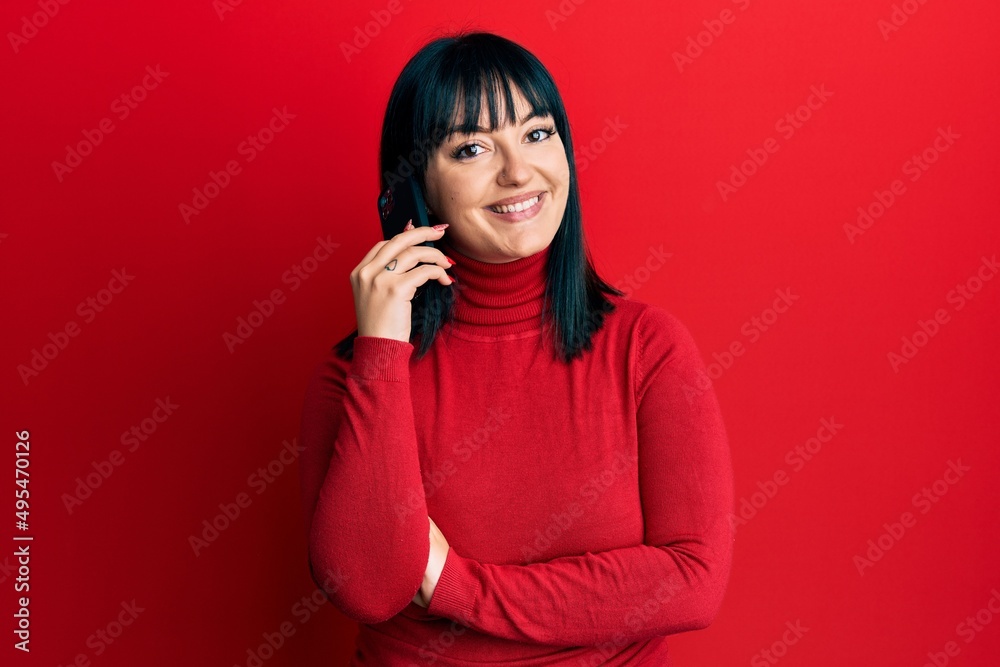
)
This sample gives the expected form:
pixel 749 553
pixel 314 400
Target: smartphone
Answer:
pixel 400 203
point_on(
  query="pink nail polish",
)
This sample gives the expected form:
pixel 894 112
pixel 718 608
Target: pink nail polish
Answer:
pixel 441 226
pixel 409 225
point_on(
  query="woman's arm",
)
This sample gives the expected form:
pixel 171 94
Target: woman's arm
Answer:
pixel 362 496
pixel 673 582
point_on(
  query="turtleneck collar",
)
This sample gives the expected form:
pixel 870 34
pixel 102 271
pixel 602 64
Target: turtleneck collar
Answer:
pixel 497 299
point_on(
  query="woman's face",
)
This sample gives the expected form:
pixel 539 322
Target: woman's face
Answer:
pixel 469 174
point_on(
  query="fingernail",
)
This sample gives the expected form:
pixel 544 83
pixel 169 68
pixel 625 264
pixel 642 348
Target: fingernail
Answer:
pixel 450 260
pixel 441 226
pixel 409 225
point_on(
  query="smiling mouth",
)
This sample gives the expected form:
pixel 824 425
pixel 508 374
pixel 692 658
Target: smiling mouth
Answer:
pixel 516 208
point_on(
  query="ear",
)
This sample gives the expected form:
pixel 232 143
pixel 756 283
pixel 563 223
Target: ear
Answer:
pixel 423 193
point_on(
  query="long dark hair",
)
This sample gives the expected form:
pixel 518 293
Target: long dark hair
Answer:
pixel 422 112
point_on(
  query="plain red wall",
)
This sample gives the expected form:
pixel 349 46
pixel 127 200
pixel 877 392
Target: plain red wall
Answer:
pixel 650 185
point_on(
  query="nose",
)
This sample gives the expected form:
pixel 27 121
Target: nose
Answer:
pixel 515 168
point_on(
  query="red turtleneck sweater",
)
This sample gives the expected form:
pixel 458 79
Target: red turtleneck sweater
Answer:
pixel 586 505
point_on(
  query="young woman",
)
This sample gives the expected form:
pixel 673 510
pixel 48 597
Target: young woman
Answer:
pixel 518 465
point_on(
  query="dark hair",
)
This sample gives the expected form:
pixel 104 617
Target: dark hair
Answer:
pixel 422 112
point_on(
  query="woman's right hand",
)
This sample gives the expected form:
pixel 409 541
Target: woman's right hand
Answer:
pixel 382 297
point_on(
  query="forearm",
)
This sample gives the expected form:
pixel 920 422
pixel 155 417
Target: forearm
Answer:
pixel 369 522
pixel 621 595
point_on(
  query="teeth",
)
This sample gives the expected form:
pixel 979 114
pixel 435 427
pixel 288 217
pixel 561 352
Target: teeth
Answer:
pixel 520 206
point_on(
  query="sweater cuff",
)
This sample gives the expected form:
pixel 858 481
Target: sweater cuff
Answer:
pixel 455 594
pixel 377 358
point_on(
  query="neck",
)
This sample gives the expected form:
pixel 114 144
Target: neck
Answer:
pixel 498 299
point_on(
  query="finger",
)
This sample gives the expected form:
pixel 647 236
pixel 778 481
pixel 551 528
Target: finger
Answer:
pixel 397 243
pixel 414 255
pixel 409 281
pixel 368 256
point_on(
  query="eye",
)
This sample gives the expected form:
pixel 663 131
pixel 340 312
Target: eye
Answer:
pixel 459 153
pixel 535 136
pixel 548 131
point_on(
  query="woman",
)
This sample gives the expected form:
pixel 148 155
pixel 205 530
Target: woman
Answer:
pixel 518 465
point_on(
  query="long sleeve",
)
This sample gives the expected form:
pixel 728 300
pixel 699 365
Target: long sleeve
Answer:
pixel 360 464
pixel 676 579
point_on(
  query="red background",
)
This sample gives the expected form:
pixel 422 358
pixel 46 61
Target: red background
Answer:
pixel 653 186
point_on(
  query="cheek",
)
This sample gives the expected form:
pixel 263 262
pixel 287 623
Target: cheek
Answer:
pixel 562 179
pixel 462 193
pixel 559 167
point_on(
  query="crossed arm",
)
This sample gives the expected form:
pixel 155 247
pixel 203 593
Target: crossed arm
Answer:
pixel 673 582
